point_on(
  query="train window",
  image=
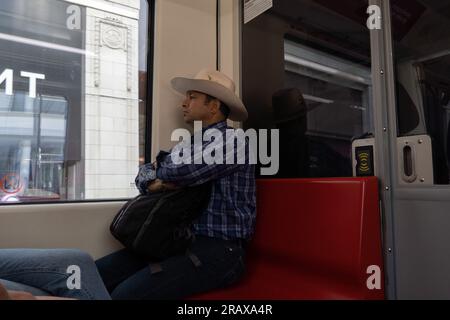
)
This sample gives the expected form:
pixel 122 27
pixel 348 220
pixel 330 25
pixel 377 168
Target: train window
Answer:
pixel 422 60
pixel 307 72
pixel 73 82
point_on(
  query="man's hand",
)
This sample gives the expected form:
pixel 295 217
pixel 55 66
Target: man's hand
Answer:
pixel 4 295
pixel 159 185
pixel 14 295
pixel 20 295
pixel 155 186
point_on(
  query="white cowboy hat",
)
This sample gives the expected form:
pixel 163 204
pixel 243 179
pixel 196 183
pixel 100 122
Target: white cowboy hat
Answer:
pixel 217 85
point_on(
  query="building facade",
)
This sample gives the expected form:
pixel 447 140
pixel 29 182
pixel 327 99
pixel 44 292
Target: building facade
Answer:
pixel 69 99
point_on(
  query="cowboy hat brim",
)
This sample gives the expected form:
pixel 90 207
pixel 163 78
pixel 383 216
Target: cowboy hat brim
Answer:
pixel 238 112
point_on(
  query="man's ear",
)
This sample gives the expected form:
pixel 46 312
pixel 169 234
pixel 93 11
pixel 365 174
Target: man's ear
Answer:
pixel 215 105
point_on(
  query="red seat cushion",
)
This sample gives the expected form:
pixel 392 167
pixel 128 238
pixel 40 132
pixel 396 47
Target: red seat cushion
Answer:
pixel 314 239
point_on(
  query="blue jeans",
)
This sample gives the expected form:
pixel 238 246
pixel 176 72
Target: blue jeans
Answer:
pixel 46 272
pixel 215 263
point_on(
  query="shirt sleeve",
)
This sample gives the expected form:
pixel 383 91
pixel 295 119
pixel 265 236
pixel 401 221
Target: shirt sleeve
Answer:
pixel 190 174
pixel 146 174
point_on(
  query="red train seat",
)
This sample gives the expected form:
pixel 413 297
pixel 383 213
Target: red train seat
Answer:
pixel 314 239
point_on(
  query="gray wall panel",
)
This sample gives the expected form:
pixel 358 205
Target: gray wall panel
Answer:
pixel 422 249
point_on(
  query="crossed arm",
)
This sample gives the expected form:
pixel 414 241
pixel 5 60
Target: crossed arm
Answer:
pixel 164 174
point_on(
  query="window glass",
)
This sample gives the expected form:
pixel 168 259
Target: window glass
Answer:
pixel 72 91
pixel 422 70
pixel 307 72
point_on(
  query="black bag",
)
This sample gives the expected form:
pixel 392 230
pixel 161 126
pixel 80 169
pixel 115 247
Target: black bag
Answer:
pixel 158 225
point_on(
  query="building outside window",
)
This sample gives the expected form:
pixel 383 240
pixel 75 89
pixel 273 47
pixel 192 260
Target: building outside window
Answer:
pixel 72 91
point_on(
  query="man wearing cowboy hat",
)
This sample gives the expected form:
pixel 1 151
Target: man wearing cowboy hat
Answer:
pixel 221 230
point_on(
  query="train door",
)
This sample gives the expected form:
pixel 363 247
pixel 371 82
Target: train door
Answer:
pixel 413 121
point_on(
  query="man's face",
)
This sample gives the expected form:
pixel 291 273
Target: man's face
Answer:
pixel 195 108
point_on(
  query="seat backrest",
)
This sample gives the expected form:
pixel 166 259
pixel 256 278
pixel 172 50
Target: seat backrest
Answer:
pixel 326 225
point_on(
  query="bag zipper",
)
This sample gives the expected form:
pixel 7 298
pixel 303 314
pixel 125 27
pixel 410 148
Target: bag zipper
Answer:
pixel 148 220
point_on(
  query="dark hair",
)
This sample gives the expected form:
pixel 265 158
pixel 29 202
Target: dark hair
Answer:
pixel 223 107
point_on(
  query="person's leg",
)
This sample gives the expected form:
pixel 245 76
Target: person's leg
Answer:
pixel 52 271
pixel 118 266
pixel 222 263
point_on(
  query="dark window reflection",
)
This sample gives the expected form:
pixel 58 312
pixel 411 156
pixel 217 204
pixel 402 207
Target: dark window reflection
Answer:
pixel 307 73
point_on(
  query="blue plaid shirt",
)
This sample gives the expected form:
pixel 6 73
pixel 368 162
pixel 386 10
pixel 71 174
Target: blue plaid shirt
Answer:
pixel 231 211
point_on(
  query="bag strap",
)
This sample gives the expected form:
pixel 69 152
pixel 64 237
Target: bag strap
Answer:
pixel 195 260
pixel 157 267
